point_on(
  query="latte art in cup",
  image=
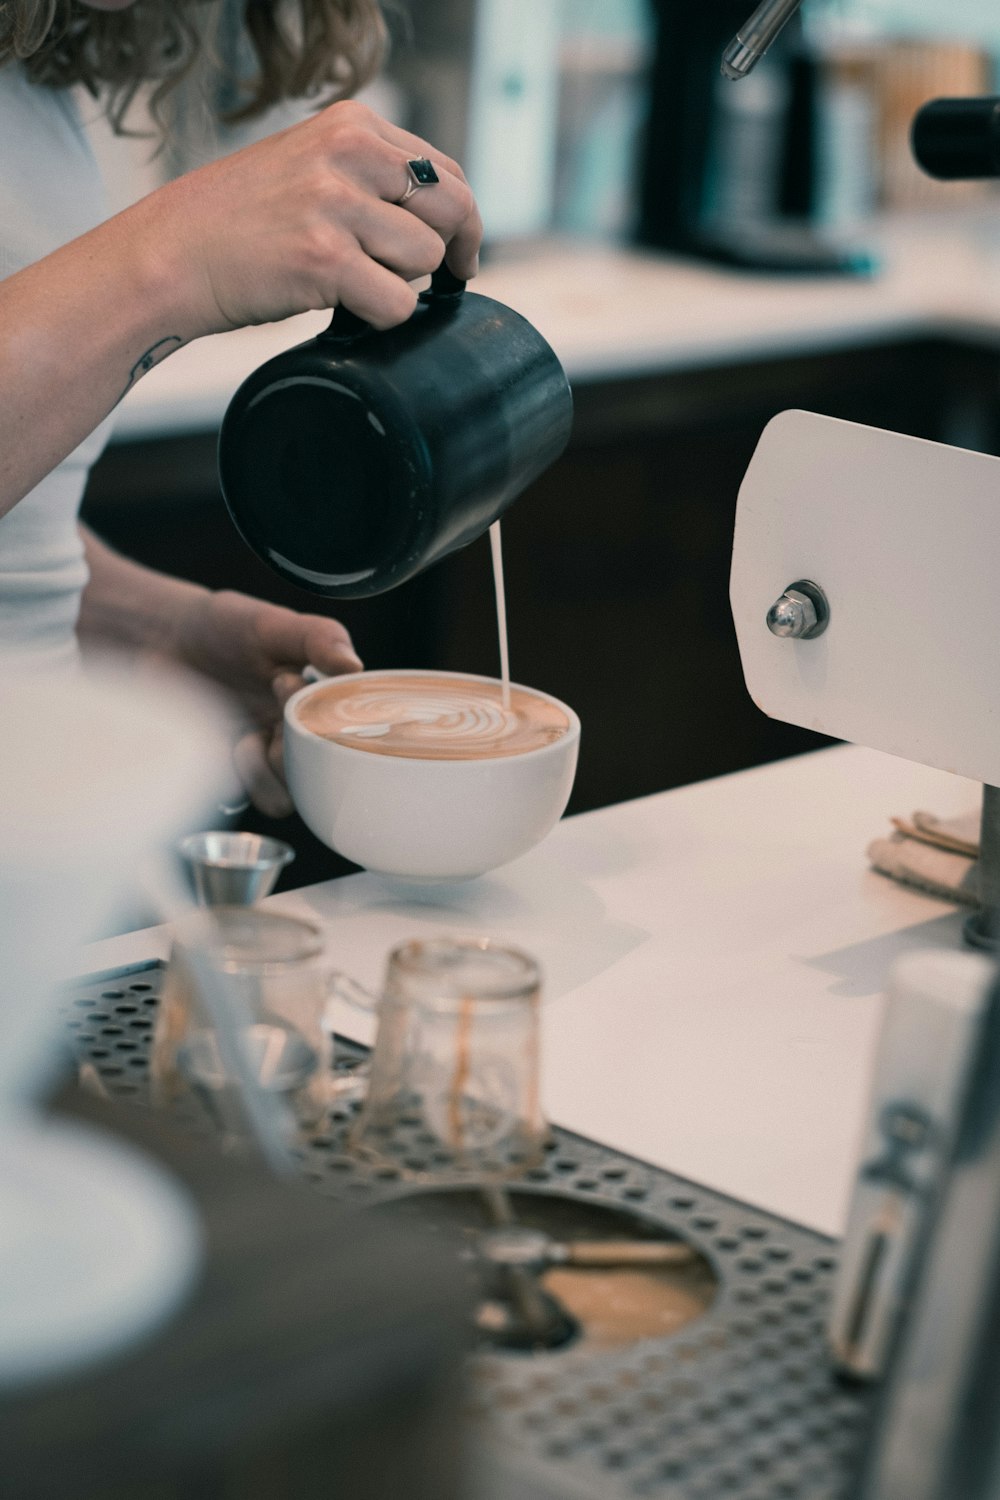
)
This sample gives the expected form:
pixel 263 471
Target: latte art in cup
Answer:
pixel 429 776
pixel 431 717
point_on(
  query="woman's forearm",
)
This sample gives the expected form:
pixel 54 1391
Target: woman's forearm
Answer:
pixel 77 328
pixel 127 604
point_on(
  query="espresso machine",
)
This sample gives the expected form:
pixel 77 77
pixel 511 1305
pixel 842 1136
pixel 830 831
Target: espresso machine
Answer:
pixel 863 597
pixel 866 506
pixel 732 175
pixel 863 594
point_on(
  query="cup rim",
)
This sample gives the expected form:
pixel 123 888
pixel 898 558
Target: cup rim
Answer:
pixel 198 928
pixel 411 957
pixel 554 747
pixel 273 853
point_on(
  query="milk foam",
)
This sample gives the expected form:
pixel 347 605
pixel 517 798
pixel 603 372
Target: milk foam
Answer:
pixel 431 717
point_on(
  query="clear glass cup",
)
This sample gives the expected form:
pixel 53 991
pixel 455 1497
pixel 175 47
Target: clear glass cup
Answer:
pixel 270 986
pixel 453 1086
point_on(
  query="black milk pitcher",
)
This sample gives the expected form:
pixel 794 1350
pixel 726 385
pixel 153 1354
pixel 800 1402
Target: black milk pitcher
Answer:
pixel 356 460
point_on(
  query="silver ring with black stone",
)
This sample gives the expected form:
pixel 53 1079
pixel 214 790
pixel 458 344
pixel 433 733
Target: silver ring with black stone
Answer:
pixel 422 174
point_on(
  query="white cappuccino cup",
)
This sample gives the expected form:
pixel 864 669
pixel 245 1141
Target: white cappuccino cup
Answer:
pixel 429 776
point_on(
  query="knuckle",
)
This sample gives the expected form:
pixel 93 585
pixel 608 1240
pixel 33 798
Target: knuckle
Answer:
pixel 343 196
pixel 354 140
pixel 349 111
pixel 324 259
pixel 317 248
pixel 318 186
pixel 406 300
pixel 466 199
pixel 451 165
pixel 428 247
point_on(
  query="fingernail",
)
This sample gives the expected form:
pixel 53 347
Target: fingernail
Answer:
pixel 351 660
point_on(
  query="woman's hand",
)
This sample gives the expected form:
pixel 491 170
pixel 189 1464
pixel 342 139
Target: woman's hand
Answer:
pixel 310 218
pixel 258 651
pixel 255 651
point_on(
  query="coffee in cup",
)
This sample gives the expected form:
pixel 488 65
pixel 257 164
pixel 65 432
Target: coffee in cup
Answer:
pixel 429 775
pixel 432 716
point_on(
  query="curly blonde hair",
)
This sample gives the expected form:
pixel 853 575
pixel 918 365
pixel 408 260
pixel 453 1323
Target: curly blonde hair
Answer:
pixel 302 48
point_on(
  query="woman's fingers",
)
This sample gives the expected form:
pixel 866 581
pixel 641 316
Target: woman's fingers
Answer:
pixel 454 215
pixel 445 210
pixel 291 641
pixel 413 145
pixel 448 207
pixel 325 650
pixel 399 241
pixel 377 154
pixel 375 294
pixel 255 757
pixel 285 685
pixel 311 218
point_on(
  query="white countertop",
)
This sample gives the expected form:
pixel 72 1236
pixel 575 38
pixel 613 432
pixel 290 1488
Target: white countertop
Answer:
pixel 714 961
pixel 610 311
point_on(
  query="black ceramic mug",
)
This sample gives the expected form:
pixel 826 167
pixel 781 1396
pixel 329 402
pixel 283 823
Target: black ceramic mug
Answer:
pixel 354 461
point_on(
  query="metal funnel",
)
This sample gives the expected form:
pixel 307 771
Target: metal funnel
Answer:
pixel 233 869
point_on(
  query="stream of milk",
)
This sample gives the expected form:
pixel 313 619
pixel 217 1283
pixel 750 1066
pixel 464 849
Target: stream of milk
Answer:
pixel 497 551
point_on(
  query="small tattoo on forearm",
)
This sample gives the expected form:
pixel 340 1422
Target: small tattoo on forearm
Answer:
pixel 152 357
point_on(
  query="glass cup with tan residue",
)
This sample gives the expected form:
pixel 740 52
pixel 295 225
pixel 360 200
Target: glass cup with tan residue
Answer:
pixel 270 976
pixel 453 1091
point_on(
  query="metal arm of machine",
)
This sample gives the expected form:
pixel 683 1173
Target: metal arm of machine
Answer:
pixel 752 40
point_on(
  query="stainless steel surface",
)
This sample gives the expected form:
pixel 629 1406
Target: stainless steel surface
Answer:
pixel 865 1316
pixel 752 41
pixel 939 1438
pixel 741 1402
pixel 233 869
pixel 933 1018
pixel 738 60
pixel 982 928
pixel 801 613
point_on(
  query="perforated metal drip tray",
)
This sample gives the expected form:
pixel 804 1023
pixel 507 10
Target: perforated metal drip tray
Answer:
pixel 713 1383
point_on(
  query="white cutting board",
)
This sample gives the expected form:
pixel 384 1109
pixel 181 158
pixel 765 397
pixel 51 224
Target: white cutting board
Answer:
pixel 903 536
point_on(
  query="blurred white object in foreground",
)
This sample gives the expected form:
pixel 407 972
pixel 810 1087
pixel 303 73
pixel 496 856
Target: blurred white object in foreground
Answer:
pixel 97 772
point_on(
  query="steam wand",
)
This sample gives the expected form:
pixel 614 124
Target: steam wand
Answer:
pixel 751 42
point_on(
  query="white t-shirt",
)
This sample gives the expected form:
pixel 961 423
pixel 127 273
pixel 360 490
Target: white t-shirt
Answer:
pixel 50 192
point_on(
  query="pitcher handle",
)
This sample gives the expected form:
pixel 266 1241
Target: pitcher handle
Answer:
pixel 346 326
pixel 445 286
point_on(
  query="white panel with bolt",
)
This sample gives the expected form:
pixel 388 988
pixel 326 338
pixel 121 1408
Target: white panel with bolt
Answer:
pixel 902 538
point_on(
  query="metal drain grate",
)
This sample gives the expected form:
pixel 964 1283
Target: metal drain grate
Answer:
pixel 741 1404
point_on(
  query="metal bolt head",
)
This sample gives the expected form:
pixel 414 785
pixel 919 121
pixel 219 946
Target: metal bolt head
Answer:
pixel 790 616
pixel 800 613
